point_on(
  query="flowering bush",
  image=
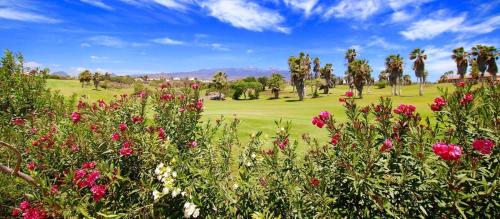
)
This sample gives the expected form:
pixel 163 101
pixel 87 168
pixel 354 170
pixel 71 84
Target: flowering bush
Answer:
pixel 119 159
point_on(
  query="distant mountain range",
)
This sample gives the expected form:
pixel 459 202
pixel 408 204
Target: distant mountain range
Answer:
pixel 233 73
pixel 60 73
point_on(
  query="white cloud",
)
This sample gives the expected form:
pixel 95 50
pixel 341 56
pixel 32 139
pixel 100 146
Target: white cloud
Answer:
pixel 180 5
pixel 245 14
pixel 381 42
pixel 22 15
pixel 356 9
pixel 32 64
pixel 218 46
pixel 305 5
pixel 168 41
pixel 400 16
pixel 398 4
pixel 98 57
pixel 107 41
pixel 98 3
pixel 249 51
pixel 430 28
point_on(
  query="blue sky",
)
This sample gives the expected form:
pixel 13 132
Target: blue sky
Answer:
pixel 149 36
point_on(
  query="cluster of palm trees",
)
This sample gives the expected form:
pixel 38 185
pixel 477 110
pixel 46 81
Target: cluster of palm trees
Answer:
pixel 481 58
pixel 358 72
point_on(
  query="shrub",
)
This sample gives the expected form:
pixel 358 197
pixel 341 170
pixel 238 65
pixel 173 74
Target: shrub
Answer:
pixel 381 84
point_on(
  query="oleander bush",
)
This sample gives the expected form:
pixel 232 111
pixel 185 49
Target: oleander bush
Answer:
pixel 150 155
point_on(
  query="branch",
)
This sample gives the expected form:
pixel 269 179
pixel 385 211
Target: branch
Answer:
pixel 15 171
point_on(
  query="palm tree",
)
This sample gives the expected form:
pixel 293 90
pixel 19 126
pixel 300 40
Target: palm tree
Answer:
pixel 394 66
pixel 220 82
pixel 299 70
pixel 492 64
pixel 317 67
pixel 350 56
pixel 307 66
pixel 383 76
pixel 276 84
pixel 361 73
pixel 327 73
pixel 407 80
pixel 484 55
pixel 461 57
pixel 419 67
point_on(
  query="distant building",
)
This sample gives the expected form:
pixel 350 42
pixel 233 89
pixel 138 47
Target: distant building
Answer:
pixel 456 78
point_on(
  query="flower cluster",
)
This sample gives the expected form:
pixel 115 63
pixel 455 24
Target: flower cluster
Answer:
pixel 87 176
pixel 468 97
pixel 483 146
pixel 76 117
pixel 405 110
pixel 335 139
pixel 18 121
pixel 439 102
pixel 126 149
pixel 191 210
pixel 387 145
pixel 447 151
pixel 321 119
pixel 166 175
pixel 29 212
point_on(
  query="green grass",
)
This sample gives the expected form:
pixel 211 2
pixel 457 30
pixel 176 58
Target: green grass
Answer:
pixel 261 114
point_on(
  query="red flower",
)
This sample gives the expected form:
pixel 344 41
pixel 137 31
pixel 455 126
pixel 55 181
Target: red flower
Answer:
pixel 24 205
pixel 283 144
pixel 88 165
pixel 93 127
pixel 342 100
pixel 75 148
pixel 79 174
pixel 15 212
pixel 92 177
pixel 349 94
pixel 269 152
pixel 447 152
pixel 460 84
pixel 161 133
pixel 115 136
pixel 81 105
pixel 468 97
pixel 483 146
pixel 387 145
pixel 314 181
pixel 102 104
pixel 98 192
pixel 192 144
pixel 75 116
pixel 167 97
pixel 31 166
pixel 335 139
pixel 195 86
pixel 54 189
pixel 318 122
pixel 122 126
pixel 137 119
pixel 405 110
pixel 18 121
pixel 324 115
pixel 34 213
pixel 199 104
pixel 126 150
pixel 181 110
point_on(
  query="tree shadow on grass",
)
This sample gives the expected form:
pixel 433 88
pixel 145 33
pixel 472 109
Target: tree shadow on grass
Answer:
pixel 293 101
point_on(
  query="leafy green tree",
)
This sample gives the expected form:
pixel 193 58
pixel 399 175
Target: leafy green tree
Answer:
pixel 317 67
pixel 85 77
pixel 461 57
pixel 276 84
pixel 406 79
pixel 326 75
pixel 394 66
pixel 361 73
pixel 419 67
pixel 264 81
pixel 299 69
pixel 220 83
pixel 97 78
pixel 383 76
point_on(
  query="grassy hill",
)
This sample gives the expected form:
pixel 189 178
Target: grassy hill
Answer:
pixel 259 115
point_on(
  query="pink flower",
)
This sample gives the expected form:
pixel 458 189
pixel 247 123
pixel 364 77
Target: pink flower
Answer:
pixel 335 139
pixel 283 144
pixel 468 97
pixel 349 94
pixel 192 144
pixel 115 136
pixel 15 212
pixel 81 105
pixel 122 126
pixel 93 127
pixel 98 192
pixel 18 121
pixel 137 119
pixel 460 84
pixel 88 165
pixel 34 213
pixel 324 115
pixel 199 104
pixel 405 110
pixel 75 148
pixel 142 94
pixel 54 189
pixel 483 146
pixel 167 97
pixel 80 174
pixel 195 86
pixel 161 133
pixel 24 205
pixel 447 152
pixel 318 122
pixel 92 177
pixel 31 166
pixel 126 150
pixel 181 110
pixel 75 116
pixel 386 146
pixel 314 181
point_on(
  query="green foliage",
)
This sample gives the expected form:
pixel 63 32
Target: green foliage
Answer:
pixel 85 77
pixel 250 88
pixel 276 84
pixel 381 84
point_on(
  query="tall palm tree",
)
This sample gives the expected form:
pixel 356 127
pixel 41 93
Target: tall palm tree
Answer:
pixel 317 67
pixel 406 79
pixel 299 70
pixel 394 65
pixel 327 74
pixel 307 66
pixel 492 64
pixel 361 73
pixel 350 56
pixel 484 55
pixel 220 82
pixel 461 57
pixel 419 67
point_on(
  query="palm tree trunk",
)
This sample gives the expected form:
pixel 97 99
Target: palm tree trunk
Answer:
pixel 421 90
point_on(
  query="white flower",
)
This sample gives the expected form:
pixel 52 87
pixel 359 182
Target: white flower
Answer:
pixel 253 155
pixel 249 164
pixel 190 209
pixel 183 194
pixel 174 174
pixel 168 170
pixel 176 192
pixel 165 190
pixel 196 213
pixel 235 186
pixel 156 194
